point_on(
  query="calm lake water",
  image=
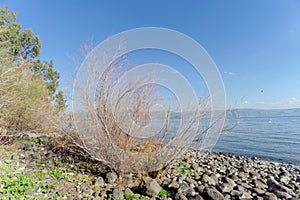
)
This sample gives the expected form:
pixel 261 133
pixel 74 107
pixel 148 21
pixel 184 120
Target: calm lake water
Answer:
pixel 276 139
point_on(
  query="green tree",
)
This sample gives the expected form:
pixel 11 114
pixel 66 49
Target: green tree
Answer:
pixel 17 45
pixel 29 100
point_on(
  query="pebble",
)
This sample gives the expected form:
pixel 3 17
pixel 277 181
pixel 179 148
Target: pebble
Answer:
pixel 118 192
pixel 209 176
pixel 150 187
pixel 99 181
pixel 111 177
pixel 212 193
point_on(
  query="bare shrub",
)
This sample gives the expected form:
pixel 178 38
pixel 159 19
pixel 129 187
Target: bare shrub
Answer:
pixel 112 117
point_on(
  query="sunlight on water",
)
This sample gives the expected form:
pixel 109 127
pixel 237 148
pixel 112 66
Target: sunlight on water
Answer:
pixel 276 138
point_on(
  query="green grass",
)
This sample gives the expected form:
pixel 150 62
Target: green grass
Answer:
pixel 56 173
pixel 16 185
pixel 39 174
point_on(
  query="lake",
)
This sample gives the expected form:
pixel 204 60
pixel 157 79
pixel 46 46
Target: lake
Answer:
pixel 275 139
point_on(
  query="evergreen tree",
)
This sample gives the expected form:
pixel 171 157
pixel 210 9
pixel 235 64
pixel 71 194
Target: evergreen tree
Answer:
pixel 17 45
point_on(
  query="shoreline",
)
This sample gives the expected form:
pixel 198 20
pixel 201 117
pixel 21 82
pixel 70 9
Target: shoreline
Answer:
pixel 262 158
pixel 55 172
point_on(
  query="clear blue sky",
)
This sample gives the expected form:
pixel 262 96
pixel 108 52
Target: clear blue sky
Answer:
pixel 255 44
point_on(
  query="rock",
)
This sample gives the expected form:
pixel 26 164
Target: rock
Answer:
pixel 274 186
pixel 150 187
pixel 243 176
pixel 215 177
pixel 229 181
pixel 212 194
pixel 232 171
pixel 185 189
pixel 191 181
pixel 174 184
pixel 200 188
pixel 225 188
pixel 35 156
pixel 236 193
pixel 234 177
pixel 285 179
pixel 246 195
pixel 99 182
pixel 180 196
pixel 29 135
pixel 254 174
pixel 29 146
pixel 128 191
pixel 246 185
pixel 239 188
pixel 195 197
pixel 258 191
pixel 207 179
pixel 282 195
pixel 45 139
pixel 270 196
pixel 259 184
pixel 69 197
pixel 111 177
pixel 118 192
pixel 128 181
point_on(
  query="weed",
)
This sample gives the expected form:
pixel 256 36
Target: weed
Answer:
pixel 16 185
pixel 183 168
pixel 132 197
pixel 84 178
pixel 56 173
pixel 68 176
pixel 48 187
pixel 163 192
pixel 110 196
pixel 39 174
pixel 36 140
pixel 58 162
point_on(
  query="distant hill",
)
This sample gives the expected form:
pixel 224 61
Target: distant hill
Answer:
pixel 238 113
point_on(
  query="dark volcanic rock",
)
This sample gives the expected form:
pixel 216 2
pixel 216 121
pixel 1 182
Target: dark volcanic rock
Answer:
pixel 150 187
pixel 210 193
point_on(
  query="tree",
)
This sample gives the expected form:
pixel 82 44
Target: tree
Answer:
pixel 29 100
pixel 17 45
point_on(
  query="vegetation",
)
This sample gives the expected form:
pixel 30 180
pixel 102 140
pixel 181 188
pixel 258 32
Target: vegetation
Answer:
pixel 163 192
pixel 132 197
pixel 183 168
pixel 29 100
pixel 113 117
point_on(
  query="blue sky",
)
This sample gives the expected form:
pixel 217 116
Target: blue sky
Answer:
pixel 255 44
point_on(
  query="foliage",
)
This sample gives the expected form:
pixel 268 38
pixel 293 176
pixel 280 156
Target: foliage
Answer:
pixel 25 101
pixel 48 187
pixel 39 174
pixel 132 197
pixel 35 140
pixel 28 97
pixel 56 173
pixel 18 45
pixel 16 186
pixel 183 168
pixel 163 192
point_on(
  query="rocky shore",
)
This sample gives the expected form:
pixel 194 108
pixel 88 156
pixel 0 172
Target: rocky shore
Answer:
pixel 30 168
